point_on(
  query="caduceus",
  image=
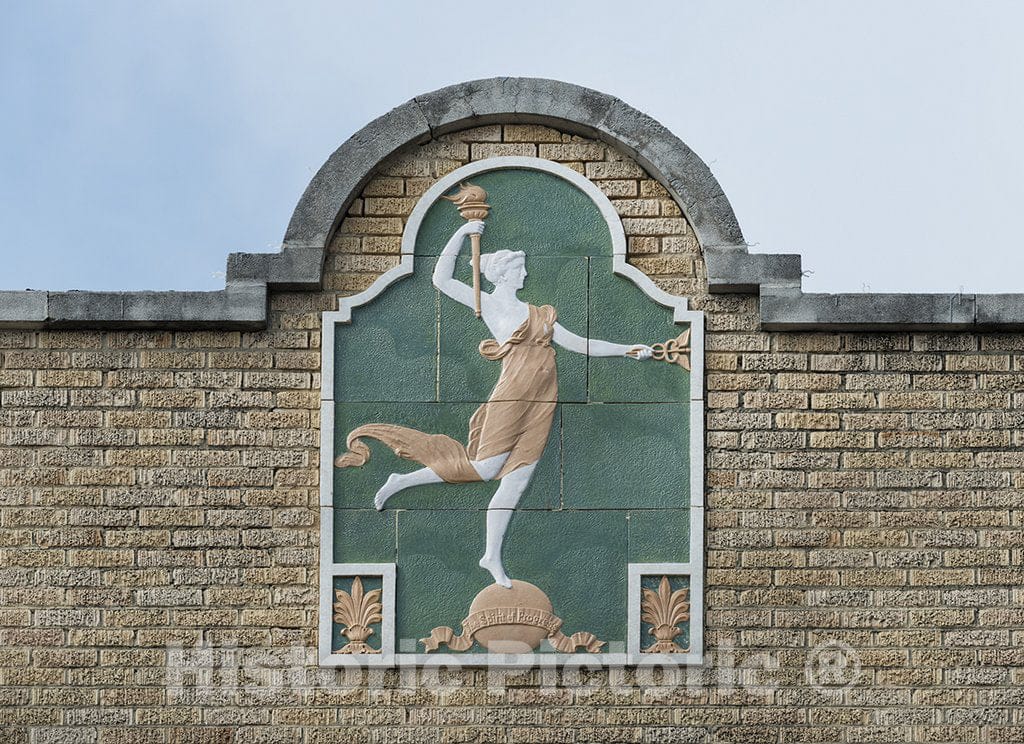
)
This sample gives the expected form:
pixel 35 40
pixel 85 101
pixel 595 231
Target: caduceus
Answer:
pixel 674 351
pixel 472 203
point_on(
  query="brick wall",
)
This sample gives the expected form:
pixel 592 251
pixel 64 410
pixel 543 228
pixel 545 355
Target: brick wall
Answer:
pixel 159 528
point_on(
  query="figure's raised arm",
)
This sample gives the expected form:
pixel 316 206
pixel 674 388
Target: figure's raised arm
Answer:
pixel 597 348
pixel 445 268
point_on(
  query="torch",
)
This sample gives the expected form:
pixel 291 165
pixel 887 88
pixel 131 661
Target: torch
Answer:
pixel 472 203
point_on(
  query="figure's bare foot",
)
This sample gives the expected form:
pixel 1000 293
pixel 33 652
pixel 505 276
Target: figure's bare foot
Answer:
pixel 497 571
pixel 391 486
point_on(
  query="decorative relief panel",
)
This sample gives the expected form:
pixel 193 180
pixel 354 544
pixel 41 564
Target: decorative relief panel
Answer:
pixel 512 429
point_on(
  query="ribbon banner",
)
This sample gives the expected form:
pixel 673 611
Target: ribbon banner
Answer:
pixel 532 617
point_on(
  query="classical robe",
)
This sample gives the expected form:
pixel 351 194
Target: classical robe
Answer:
pixel 516 417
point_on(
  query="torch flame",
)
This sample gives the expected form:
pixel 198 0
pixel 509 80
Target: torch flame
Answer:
pixel 468 194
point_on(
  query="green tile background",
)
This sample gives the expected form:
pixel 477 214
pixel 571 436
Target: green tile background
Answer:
pixel 659 535
pixel 579 560
pixel 531 211
pixel 621 312
pixel 438 574
pixel 389 350
pixel 625 455
pixel 364 536
pixel 613 484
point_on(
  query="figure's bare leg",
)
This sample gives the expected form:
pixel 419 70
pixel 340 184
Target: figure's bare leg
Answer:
pixel 487 469
pixel 400 481
pixel 499 513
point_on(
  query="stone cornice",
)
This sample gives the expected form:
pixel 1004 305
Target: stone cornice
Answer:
pixel 299 265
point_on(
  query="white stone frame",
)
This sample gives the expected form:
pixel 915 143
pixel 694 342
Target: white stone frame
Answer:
pixel 636 571
pixel 680 314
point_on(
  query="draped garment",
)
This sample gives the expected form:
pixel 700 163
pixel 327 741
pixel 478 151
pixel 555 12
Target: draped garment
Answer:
pixel 516 417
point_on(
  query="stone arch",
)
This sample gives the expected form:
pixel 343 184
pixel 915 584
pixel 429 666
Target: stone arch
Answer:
pixel 516 100
pixel 571 108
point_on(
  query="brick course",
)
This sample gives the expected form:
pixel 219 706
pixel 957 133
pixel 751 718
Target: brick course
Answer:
pixel 158 490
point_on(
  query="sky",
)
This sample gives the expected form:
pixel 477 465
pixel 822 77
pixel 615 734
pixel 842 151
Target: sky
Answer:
pixel 141 142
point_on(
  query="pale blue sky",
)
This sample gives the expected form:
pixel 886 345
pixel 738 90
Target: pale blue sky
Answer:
pixel 141 142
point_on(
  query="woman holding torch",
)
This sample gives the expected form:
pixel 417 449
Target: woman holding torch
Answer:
pixel 507 434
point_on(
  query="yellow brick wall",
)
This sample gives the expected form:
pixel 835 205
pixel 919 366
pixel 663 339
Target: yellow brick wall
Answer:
pixel 159 528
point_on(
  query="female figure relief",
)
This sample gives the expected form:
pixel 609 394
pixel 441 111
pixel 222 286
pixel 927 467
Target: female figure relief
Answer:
pixel 507 434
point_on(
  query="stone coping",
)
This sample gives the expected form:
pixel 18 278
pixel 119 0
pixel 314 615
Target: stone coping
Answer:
pixel 299 265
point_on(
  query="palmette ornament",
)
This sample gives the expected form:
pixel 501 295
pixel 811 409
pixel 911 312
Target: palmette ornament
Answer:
pixel 357 611
pixel 665 609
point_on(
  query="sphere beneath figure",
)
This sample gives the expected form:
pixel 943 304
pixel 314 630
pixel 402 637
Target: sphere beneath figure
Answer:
pixel 512 638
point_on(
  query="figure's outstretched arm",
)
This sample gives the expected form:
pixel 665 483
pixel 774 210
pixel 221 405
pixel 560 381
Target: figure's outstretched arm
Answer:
pixel 597 348
pixel 445 267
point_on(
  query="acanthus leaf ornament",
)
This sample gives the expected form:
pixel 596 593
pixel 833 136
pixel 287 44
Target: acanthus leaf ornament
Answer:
pixel 664 610
pixel 357 611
